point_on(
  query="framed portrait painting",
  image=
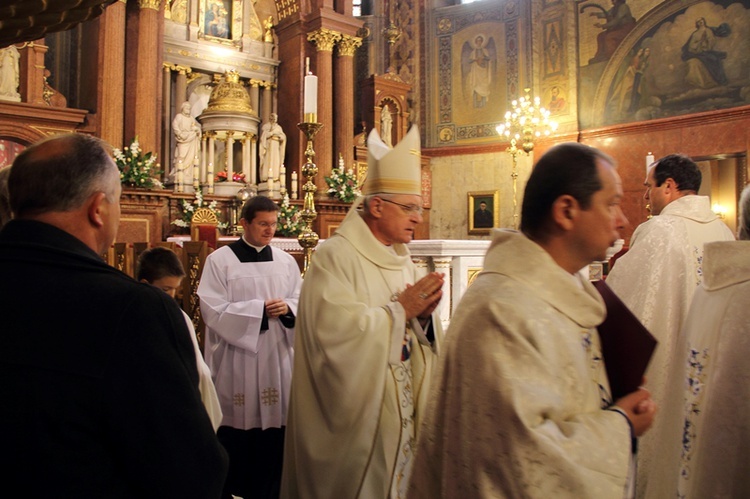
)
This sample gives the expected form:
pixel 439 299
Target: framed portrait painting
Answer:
pixel 221 20
pixel 484 211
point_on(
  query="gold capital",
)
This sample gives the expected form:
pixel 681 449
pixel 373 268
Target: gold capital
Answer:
pixel 324 39
pixel 182 69
pixel 149 4
pixel 348 45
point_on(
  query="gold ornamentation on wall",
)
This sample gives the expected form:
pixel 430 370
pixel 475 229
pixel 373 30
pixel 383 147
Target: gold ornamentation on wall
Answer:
pixel 286 8
pixel 149 4
pixel 324 39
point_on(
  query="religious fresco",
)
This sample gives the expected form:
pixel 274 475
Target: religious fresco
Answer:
pixel 477 55
pixel 676 58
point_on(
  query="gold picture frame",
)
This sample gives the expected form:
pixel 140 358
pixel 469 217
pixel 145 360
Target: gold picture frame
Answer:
pixel 221 21
pixel 483 218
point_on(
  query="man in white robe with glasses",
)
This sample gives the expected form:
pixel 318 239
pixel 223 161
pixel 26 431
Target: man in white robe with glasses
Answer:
pixel 366 341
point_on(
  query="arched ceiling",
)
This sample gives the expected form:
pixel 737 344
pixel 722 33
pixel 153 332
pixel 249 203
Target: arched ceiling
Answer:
pixel 26 20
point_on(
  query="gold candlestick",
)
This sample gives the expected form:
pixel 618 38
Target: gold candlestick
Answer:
pixel 308 238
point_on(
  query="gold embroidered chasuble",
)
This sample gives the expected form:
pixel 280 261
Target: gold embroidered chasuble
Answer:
pixel 518 407
pixel 355 404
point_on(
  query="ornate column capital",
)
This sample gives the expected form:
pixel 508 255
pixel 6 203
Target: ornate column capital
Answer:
pixel 149 4
pixel 167 66
pixel 348 45
pixel 324 39
pixel 183 70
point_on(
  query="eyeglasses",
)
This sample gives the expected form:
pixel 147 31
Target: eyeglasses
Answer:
pixel 267 225
pixel 408 208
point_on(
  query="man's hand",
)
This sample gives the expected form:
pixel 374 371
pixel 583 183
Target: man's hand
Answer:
pixel 640 410
pixel 276 307
pixel 421 299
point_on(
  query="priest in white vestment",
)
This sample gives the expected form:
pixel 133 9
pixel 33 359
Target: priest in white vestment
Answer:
pixel 248 295
pixel 706 448
pixel 657 277
pixel 367 337
pixel 522 406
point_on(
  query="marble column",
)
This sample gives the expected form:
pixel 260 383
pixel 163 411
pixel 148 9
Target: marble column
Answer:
pixel 324 40
pixel 229 154
pixel 211 161
pixel 110 66
pixel 166 124
pixel 255 95
pixel 204 165
pixel 180 88
pixel 266 103
pixel 343 141
pixel 142 96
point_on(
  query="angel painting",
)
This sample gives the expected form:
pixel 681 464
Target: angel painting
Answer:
pixel 478 69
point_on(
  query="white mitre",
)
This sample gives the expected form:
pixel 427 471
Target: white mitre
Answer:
pixel 395 170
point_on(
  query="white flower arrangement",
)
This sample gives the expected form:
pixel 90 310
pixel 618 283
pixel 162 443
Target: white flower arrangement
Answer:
pixel 137 169
pixel 188 210
pixel 289 223
pixel 343 184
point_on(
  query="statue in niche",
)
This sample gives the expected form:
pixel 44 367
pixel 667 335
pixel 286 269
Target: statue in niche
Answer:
pixel 9 74
pixel 272 148
pixel 386 125
pixel 187 133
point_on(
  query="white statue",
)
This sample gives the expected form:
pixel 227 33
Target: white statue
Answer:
pixel 386 125
pixel 272 148
pixel 9 74
pixel 187 133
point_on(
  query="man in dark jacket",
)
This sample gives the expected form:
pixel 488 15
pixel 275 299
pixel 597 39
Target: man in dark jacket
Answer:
pixel 98 379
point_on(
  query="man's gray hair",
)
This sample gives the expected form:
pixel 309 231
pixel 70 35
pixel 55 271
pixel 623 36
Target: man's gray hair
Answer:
pixel 60 174
pixel 743 232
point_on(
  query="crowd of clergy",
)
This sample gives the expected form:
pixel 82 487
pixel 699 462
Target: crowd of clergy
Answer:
pixel 344 384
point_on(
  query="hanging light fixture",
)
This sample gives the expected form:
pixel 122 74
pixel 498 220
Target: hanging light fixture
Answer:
pixel 524 123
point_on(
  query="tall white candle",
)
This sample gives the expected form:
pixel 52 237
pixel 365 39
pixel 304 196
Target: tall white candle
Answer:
pixel 294 185
pixel 649 160
pixel 196 172
pixel 310 107
pixel 270 187
pixel 179 176
pixel 282 176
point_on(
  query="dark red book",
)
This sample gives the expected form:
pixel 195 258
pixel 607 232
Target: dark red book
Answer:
pixel 627 346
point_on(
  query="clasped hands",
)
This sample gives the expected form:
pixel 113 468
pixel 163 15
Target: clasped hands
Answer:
pixel 276 307
pixel 422 298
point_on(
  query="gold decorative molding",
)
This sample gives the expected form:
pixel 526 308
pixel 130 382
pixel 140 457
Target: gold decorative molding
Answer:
pixel 348 45
pixel 149 4
pixel 324 39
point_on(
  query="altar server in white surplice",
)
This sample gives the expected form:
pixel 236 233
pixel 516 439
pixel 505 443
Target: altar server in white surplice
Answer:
pixel 657 277
pixel 706 447
pixel 248 295
pixel 366 342
pixel 521 407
